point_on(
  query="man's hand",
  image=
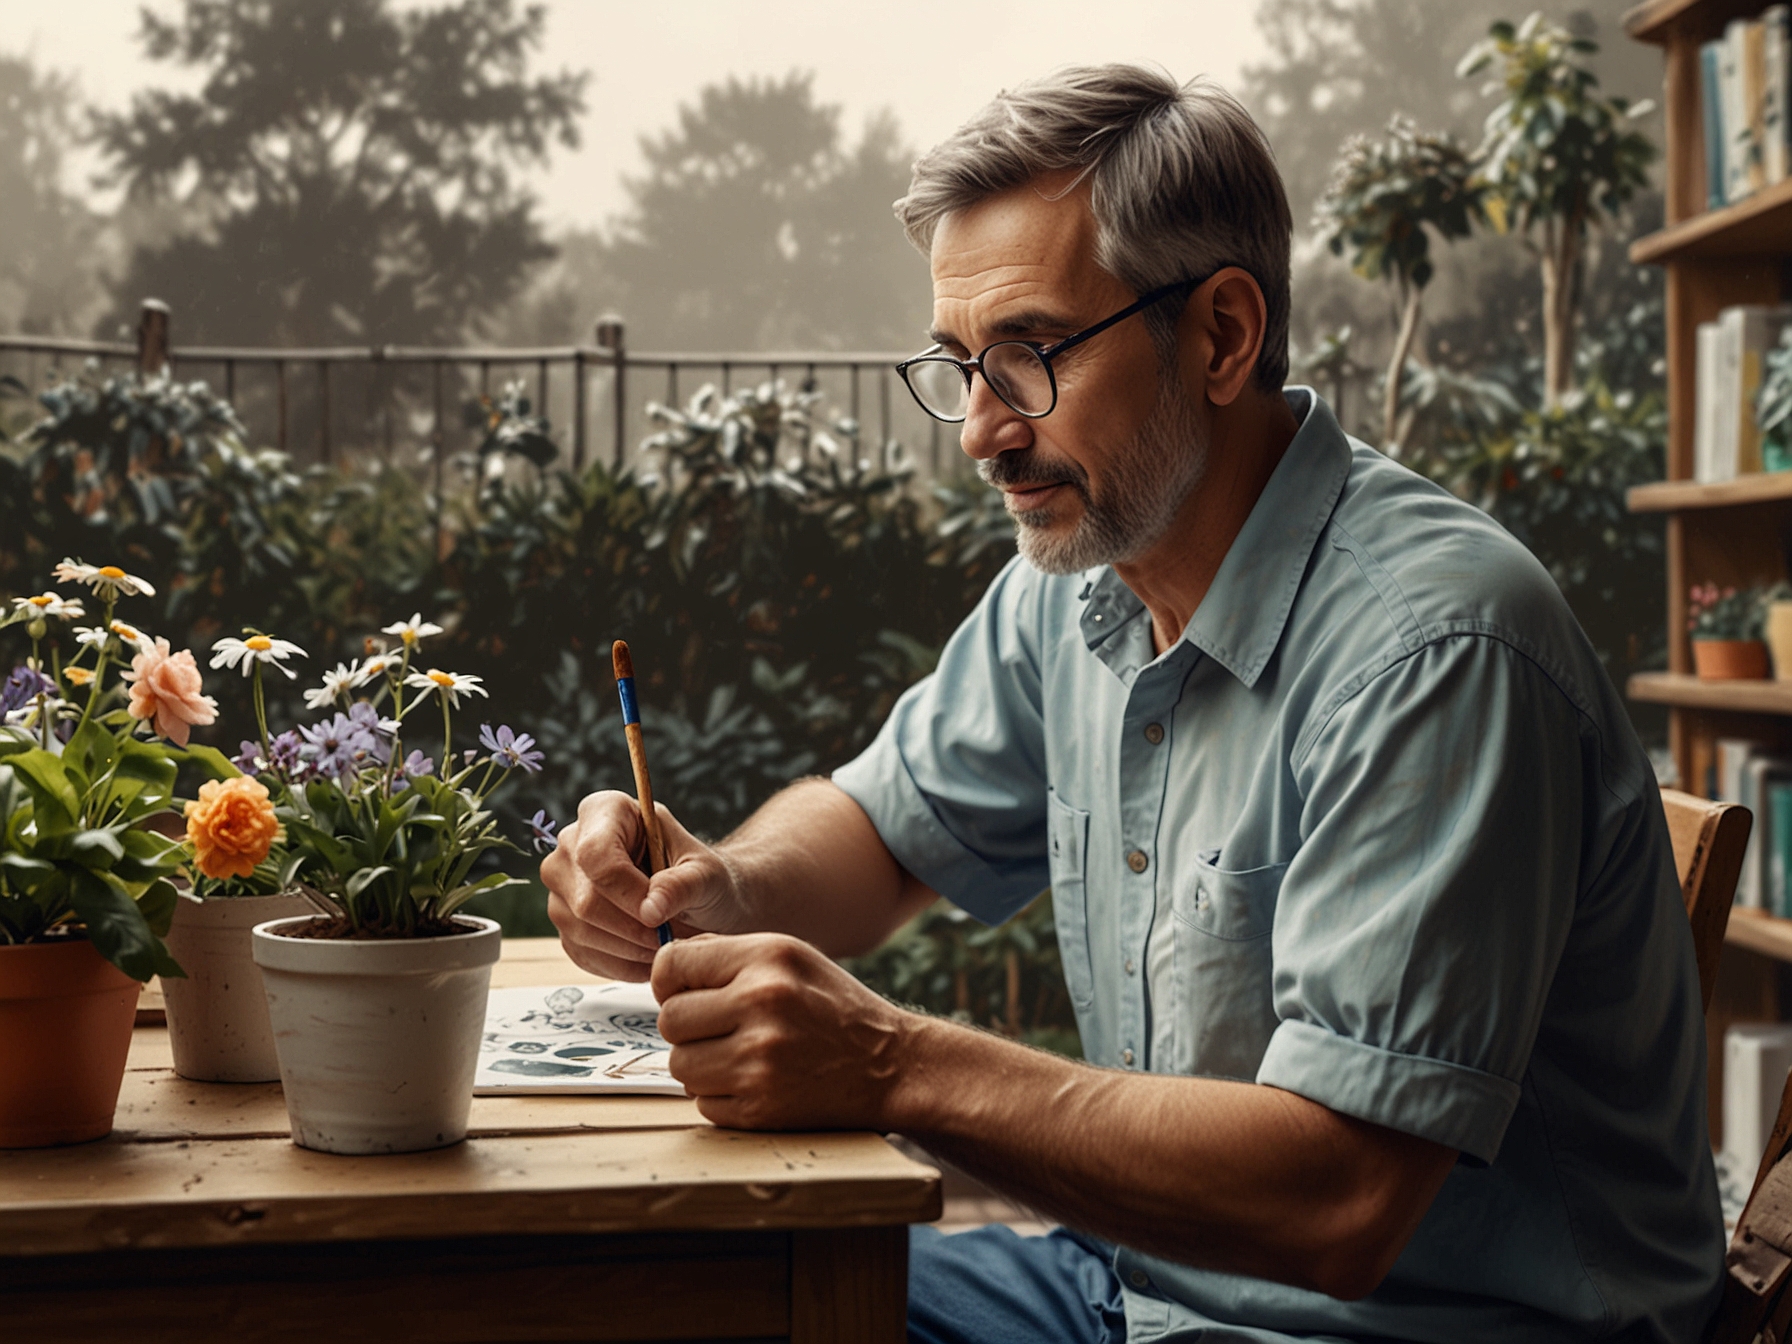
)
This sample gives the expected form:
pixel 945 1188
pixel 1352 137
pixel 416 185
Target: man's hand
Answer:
pixel 767 1033
pixel 607 910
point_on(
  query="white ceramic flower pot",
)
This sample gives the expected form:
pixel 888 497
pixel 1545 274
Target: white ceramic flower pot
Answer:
pixel 377 1038
pixel 218 1016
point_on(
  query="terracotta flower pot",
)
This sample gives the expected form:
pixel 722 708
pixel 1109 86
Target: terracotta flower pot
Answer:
pixel 66 1015
pixel 1729 659
pixel 378 1038
pixel 218 1016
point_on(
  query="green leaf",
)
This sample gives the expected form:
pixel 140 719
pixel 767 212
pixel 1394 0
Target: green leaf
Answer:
pixel 96 848
pixel 49 784
pixel 365 878
pixel 117 927
pixel 213 762
pixel 157 905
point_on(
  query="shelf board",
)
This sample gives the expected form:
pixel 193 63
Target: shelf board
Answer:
pixel 1758 226
pixel 1762 696
pixel 1760 932
pixel 1760 487
pixel 1659 21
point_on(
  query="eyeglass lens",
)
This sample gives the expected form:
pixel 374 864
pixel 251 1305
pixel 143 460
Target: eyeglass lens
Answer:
pixel 1015 372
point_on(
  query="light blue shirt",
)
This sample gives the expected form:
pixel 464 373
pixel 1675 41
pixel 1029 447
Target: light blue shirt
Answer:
pixel 1377 831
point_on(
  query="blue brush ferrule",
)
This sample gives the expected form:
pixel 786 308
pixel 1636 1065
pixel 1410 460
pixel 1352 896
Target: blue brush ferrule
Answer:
pixel 625 687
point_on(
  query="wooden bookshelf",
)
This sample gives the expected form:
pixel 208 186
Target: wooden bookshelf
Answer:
pixel 1770 487
pixel 1731 533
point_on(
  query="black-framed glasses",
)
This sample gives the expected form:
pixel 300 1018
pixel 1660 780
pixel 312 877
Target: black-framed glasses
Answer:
pixel 1019 372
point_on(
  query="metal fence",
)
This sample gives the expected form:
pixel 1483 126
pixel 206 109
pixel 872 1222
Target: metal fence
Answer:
pixel 331 404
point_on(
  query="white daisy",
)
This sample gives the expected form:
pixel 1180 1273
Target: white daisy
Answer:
pixel 132 637
pixel 451 684
pixel 344 678
pixel 375 665
pixel 413 631
pixel 91 636
pixel 50 604
pixel 107 581
pixel 229 652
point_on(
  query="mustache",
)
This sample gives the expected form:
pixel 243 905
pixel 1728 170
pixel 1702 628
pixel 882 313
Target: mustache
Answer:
pixel 1023 467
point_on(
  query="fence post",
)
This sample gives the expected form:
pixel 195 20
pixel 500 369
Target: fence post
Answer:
pixel 152 338
pixel 611 337
pixel 578 410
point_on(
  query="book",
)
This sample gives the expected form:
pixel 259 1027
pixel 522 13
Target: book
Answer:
pixel 1755 887
pixel 1779 819
pixel 1735 118
pixel 1754 103
pixel 1776 49
pixel 574 1039
pixel 1705 420
pixel 1711 106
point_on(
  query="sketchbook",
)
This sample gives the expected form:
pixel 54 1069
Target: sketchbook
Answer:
pixel 574 1039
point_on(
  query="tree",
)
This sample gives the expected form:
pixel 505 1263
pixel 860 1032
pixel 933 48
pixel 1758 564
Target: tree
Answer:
pixel 755 225
pixel 349 167
pixel 1559 159
pixel 1385 198
pixel 48 269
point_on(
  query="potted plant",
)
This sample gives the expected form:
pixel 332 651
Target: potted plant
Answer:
pixel 85 889
pixel 238 876
pixel 378 1005
pixel 1726 627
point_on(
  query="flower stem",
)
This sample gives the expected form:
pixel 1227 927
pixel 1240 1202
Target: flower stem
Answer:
pixel 447 734
pixel 261 713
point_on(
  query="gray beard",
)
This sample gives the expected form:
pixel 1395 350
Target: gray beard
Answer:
pixel 1145 486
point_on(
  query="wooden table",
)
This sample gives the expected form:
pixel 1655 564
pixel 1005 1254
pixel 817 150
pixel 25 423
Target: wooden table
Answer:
pixel 560 1218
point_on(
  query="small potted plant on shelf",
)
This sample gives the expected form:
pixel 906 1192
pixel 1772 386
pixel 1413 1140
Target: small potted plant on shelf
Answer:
pixel 89 749
pixel 1726 627
pixel 377 1001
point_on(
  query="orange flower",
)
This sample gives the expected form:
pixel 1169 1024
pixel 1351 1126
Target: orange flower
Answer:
pixel 165 688
pixel 231 826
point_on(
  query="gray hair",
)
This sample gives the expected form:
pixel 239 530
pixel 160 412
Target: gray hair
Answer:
pixel 1182 182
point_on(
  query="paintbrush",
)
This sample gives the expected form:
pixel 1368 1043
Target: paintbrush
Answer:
pixel 637 755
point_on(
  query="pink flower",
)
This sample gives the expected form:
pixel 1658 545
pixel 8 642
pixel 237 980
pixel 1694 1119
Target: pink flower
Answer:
pixel 165 688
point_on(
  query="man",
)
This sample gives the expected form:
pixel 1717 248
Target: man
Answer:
pixel 1363 888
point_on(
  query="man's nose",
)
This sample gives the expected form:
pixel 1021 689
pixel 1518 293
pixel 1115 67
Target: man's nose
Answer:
pixel 991 425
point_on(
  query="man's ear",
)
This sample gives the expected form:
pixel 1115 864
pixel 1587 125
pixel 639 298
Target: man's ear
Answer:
pixel 1222 329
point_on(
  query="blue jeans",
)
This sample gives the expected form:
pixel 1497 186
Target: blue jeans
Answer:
pixel 990 1286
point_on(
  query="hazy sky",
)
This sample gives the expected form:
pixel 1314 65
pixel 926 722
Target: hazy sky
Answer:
pixel 932 62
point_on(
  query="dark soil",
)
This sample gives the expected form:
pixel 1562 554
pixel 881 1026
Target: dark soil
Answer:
pixel 336 927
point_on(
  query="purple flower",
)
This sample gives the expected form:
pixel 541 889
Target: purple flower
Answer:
pixel 380 732
pixel 248 759
pixel 21 687
pixel 544 829
pixel 289 754
pixel 510 750
pixel 415 765
pixel 338 747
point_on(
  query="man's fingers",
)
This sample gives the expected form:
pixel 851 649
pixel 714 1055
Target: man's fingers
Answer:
pixel 688 879
pixel 697 1015
pixel 709 961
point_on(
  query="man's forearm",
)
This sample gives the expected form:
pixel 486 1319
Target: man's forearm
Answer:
pixel 810 863
pixel 1229 1176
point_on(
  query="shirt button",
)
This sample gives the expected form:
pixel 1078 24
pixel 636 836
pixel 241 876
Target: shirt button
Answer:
pixel 1140 1279
pixel 1130 968
pixel 1126 1055
pixel 1137 861
pixel 1154 733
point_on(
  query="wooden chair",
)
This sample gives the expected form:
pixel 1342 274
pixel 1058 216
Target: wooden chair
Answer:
pixel 1709 840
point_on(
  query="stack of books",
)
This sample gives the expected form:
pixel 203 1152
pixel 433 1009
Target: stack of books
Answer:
pixel 1726 439
pixel 1760 778
pixel 1744 86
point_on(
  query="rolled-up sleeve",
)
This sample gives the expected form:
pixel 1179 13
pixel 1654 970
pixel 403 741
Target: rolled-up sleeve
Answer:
pixel 955 781
pixel 1419 927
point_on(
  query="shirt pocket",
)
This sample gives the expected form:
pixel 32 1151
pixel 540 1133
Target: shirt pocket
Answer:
pixel 1224 968
pixel 1068 836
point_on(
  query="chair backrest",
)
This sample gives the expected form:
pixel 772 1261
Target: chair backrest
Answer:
pixel 1758 1265
pixel 1709 841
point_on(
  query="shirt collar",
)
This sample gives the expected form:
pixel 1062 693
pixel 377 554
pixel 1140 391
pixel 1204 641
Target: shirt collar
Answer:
pixel 1240 620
